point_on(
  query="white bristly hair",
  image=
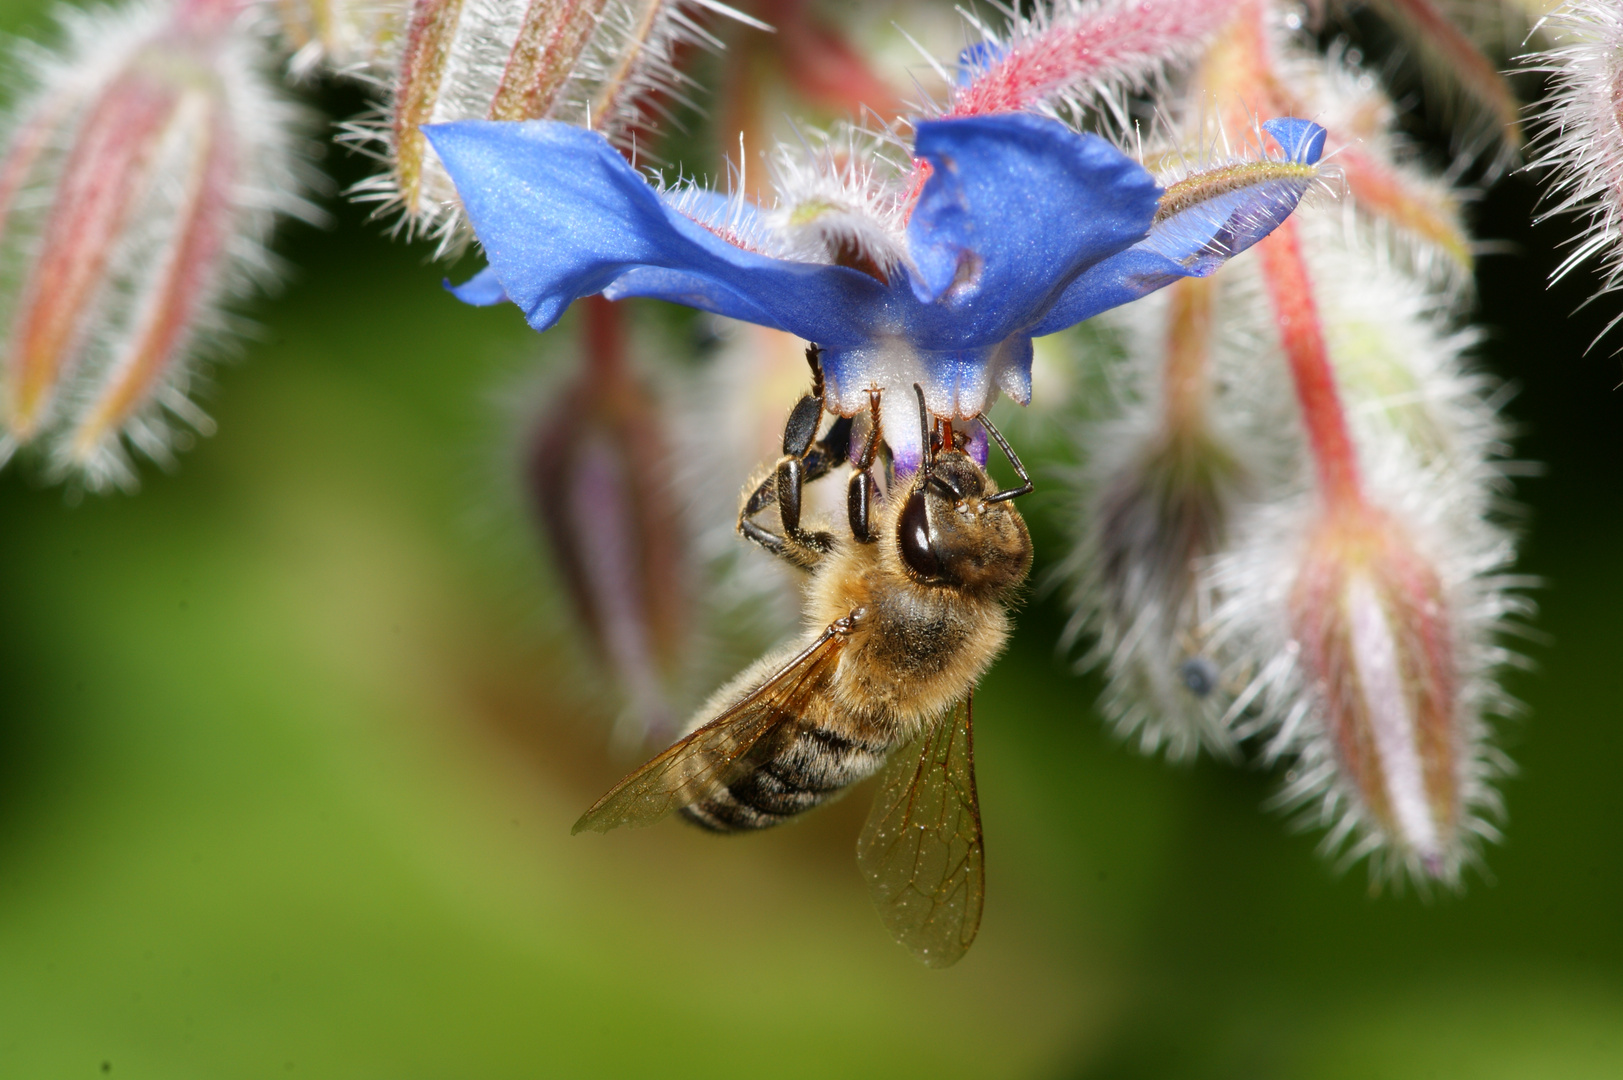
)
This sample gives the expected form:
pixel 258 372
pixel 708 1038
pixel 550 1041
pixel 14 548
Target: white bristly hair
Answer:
pixel 839 194
pixel 1579 145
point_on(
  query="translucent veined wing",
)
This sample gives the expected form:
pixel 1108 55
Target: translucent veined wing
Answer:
pixel 921 850
pixel 728 747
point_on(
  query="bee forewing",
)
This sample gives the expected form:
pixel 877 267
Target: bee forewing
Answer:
pixel 921 850
pixel 724 750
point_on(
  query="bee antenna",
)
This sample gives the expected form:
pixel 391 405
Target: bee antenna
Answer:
pixel 927 449
pixel 1026 487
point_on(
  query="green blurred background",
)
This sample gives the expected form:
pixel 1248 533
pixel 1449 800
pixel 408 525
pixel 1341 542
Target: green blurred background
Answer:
pixel 291 742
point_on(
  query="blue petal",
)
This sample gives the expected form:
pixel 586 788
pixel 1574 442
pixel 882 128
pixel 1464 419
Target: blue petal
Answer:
pixel 1016 206
pixel 481 290
pixel 1118 280
pixel 689 290
pixel 1302 140
pixel 562 215
pixel 1195 241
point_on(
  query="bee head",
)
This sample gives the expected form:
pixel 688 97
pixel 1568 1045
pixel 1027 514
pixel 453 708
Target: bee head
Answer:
pixel 956 530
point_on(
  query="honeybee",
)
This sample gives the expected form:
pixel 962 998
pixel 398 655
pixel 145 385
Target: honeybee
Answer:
pixel 907 614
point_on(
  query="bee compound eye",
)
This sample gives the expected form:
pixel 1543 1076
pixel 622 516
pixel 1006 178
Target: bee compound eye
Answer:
pixel 913 533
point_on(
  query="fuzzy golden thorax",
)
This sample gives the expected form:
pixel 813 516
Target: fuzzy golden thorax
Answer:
pixel 928 600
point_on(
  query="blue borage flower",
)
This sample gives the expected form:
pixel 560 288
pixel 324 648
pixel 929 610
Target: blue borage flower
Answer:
pixel 1023 228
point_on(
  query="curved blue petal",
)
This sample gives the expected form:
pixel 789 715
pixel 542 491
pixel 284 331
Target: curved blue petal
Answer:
pixel 1302 140
pixel 481 290
pixel 1016 206
pixel 701 292
pixel 1198 239
pixel 562 215
pixel 1118 280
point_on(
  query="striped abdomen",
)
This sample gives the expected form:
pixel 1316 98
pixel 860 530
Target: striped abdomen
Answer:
pixel 812 767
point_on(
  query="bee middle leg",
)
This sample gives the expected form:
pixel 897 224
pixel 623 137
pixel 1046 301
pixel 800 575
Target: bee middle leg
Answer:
pixel 805 458
pixel 859 494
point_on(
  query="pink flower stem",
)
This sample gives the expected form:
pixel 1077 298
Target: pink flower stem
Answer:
pixel 1479 75
pixel 1189 337
pixel 1239 70
pixel 1297 317
pixel 605 339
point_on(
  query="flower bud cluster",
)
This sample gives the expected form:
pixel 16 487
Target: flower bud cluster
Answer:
pixel 1287 545
pixel 608 65
pixel 144 166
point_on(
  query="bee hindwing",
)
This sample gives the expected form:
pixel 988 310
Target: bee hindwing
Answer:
pixel 921 850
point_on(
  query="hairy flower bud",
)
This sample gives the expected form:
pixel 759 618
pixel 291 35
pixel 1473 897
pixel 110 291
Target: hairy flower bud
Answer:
pixel 1369 634
pixel 1364 594
pixel 1068 52
pixel 599 476
pixel 141 176
pixel 1371 619
pixel 1156 506
pixel 600 64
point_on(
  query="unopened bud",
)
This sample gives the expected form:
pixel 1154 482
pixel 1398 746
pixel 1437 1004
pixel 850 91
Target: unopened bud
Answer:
pixel 139 181
pixel 1159 508
pixel 600 477
pixel 1378 650
pixel 597 64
